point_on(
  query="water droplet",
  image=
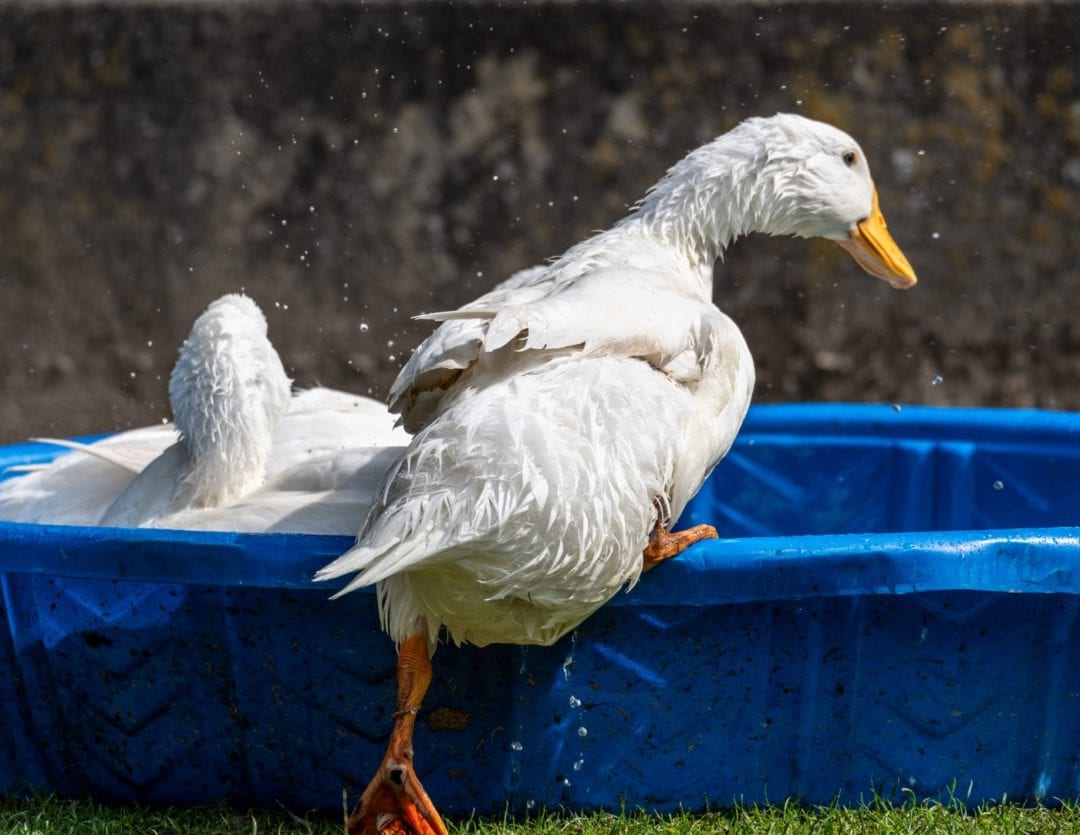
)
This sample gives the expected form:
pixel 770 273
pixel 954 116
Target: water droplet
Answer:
pixel 566 782
pixel 582 731
pixel 999 485
pixel 530 804
pixel 575 701
pixel 284 222
pixel 364 327
pixel 938 380
pixel 896 407
pixel 569 662
pixel 516 746
pixel 578 764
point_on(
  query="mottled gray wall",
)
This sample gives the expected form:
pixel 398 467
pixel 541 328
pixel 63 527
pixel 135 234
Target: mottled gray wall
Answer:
pixel 353 165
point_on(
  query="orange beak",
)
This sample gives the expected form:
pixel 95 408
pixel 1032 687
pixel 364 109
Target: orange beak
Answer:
pixel 873 249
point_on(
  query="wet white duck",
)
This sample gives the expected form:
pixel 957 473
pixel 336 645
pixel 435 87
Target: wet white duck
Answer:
pixel 250 455
pixel 566 417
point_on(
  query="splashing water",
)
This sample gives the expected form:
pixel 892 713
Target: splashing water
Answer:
pixel 569 662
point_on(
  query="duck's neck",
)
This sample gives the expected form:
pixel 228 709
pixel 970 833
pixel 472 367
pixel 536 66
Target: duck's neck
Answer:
pixel 226 432
pixel 708 199
pixel 227 459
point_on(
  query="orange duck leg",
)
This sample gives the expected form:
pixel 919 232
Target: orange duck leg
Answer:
pixel 394 801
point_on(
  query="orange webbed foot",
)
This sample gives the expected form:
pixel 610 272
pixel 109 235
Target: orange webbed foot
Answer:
pixel 663 545
pixel 395 803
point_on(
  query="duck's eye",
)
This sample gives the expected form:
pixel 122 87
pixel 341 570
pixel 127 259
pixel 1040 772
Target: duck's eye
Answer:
pixel 850 159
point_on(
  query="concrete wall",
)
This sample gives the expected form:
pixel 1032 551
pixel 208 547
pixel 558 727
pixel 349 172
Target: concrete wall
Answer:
pixel 351 165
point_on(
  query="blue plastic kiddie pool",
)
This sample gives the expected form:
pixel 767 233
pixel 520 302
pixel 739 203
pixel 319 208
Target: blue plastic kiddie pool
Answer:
pixel 893 607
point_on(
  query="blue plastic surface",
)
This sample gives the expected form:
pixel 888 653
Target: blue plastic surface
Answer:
pixel 894 607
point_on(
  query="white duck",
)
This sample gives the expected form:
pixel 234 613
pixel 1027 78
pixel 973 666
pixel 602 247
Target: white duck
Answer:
pixel 566 417
pixel 239 463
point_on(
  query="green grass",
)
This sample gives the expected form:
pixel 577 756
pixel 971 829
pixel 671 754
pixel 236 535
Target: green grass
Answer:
pixel 50 816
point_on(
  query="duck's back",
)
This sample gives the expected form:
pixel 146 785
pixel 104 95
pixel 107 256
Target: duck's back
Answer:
pixel 526 504
pixel 322 420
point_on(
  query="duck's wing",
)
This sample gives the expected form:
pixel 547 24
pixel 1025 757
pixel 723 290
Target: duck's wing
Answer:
pixel 617 311
pixel 455 346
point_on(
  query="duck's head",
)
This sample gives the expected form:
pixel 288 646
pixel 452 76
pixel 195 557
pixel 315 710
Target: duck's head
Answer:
pixel 227 390
pixel 816 183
